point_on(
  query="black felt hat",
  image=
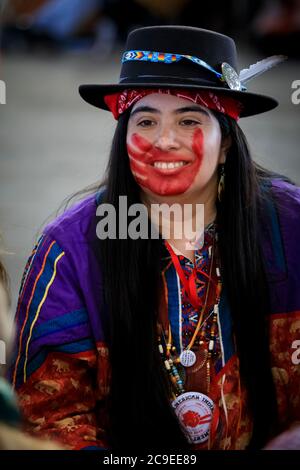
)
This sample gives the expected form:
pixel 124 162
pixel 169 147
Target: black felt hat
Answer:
pixel 184 57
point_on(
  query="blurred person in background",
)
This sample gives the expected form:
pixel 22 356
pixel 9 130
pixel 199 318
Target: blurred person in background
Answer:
pixel 59 25
pixel 94 25
pixel 276 27
pixel 100 25
pixel 120 340
pixel 9 413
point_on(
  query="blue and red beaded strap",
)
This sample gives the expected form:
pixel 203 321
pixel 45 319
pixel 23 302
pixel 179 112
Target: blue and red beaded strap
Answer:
pixel 166 58
pixel 228 75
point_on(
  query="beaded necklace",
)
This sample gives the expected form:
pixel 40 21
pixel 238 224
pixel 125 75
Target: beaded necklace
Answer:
pixel 195 410
pixel 171 358
pixel 187 356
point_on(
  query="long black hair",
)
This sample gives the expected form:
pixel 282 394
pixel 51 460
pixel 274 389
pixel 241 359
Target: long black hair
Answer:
pixel 140 411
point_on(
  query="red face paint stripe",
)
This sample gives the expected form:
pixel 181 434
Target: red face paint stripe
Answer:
pixel 197 145
pixel 137 162
pixel 133 153
pixel 136 167
pixel 140 142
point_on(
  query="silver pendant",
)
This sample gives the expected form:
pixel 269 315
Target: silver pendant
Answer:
pixel 231 77
pixel 187 358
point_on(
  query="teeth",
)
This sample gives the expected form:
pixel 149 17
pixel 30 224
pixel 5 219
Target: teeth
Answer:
pixel 169 165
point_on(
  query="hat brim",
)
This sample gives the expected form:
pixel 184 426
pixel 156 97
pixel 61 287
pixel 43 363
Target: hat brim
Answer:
pixel 253 103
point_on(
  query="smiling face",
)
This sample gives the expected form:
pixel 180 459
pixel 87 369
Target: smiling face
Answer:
pixel 174 146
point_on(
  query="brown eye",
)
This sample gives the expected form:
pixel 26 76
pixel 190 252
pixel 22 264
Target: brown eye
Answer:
pixel 189 122
pixel 146 123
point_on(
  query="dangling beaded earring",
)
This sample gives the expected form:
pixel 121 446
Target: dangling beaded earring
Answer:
pixel 221 186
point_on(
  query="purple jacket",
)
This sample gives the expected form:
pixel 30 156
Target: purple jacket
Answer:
pixel 61 365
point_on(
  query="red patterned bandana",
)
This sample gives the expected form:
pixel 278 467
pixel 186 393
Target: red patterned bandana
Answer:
pixel 118 103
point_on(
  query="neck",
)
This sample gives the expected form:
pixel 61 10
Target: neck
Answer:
pixel 208 199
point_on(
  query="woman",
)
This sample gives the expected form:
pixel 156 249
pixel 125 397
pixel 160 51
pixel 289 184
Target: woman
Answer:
pixel 151 343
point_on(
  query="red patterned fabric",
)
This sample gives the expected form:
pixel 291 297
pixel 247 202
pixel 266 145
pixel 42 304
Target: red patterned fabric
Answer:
pixel 118 103
pixel 59 399
pixel 285 336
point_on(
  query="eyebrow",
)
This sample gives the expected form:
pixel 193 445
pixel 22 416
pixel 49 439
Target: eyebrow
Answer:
pixel 145 109
pixel 186 109
pixel 193 109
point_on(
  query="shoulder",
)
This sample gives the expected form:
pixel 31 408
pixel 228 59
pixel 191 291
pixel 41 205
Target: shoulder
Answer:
pixel 286 195
pixel 286 198
pixel 62 261
pixel 281 247
pixel 281 204
pixel 284 227
pixel 60 305
pixel 75 225
pixel 282 198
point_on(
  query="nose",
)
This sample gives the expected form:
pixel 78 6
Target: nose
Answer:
pixel 166 139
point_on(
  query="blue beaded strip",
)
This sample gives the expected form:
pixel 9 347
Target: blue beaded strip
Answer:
pixel 166 58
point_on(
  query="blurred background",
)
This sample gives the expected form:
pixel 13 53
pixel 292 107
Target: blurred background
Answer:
pixel 53 144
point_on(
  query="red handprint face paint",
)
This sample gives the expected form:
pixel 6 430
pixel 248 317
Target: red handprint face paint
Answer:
pixel 165 172
pixel 174 147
